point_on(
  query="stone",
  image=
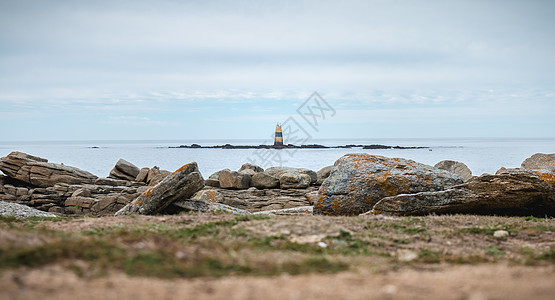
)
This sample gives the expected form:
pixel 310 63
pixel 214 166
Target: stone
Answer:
pixel 520 194
pixel 209 196
pixel 212 182
pixel 311 197
pixel 124 170
pixel 287 211
pixel 110 182
pixel 279 171
pixel 264 181
pixel 455 167
pixel 501 234
pixel 254 199
pixel 294 181
pixel 234 180
pixel 358 181
pixel 143 174
pixel 39 172
pixel 540 161
pixel 248 172
pixel 180 185
pixel 406 255
pixel 322 174
pixel 249 166
pixel 155 176
pixel 199 205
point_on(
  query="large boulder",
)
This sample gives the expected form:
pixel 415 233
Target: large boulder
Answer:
pixel 234 180
pixel 510 193
pixel 540 161
pixel 180 185
pixel 358 181
pixel 322 174
pixel 455 167
pixel 124 170
pixel 39 172
pixel 264 181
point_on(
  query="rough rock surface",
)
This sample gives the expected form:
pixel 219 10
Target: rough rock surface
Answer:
pixel 234 180
pixel 254 199
pixel 264 181
pixel 249 166
pixel 39 172
pixel 358 181
pixel 124 170
pixel 208 195
pixel 540 161
pixel 455 167
pixel 277 172
pixel 322 174
pixel 294 181
pixel 143 174
pixel 21 211
pixel 506 194
pixel 155 176
pixel 200 205
pixel 181 184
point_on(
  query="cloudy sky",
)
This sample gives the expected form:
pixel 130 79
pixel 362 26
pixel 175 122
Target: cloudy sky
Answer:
pixel 128 69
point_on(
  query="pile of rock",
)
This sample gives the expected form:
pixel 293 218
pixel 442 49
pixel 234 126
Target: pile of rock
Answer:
pixel 66 190
pixel 357 183
pixel 250 175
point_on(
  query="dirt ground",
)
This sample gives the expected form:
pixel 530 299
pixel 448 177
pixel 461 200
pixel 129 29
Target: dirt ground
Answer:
pixel 466 261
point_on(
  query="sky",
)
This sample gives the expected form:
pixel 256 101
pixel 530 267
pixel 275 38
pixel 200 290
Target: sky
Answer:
pixel 145 70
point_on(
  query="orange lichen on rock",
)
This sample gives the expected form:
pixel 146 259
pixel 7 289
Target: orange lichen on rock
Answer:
pixel 147 193
pixel 182 168
pixel 548 177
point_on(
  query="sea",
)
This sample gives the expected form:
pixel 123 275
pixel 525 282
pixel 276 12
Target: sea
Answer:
pixel 481 155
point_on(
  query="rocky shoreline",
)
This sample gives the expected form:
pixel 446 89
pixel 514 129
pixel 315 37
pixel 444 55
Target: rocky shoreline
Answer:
pixel 356 184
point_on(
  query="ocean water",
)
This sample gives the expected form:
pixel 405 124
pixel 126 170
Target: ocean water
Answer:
pixel 481 155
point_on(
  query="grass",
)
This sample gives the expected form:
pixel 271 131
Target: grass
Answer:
pixel 212 245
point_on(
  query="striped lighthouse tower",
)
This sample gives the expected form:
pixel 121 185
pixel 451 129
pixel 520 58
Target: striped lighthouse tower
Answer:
pixel 278 139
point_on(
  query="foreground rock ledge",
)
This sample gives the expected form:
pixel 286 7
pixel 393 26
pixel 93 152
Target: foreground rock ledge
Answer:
pixel 180 185
pixel 504 194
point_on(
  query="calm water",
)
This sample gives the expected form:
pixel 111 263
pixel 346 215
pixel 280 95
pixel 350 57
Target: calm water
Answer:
pixel 98 157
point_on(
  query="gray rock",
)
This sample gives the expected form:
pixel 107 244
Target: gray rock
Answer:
pixel 234 180
pixel 264 181
pixel 287 211
pixel 143 174
pixel 180 185
pixel 249 166
pixel 212 182
pixel 323 174
pixel 358 181
pixel 540 161
pixel 294 181
pixel 39 172
pixel 208 196
pixel 455 167
pixel 277 172
pixel 110 182
pixel 155 176
pixel 503 194
pixel 124 170
pixel 21 211
pixel 199 205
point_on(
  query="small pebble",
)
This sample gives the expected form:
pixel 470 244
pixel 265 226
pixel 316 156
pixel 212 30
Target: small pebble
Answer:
pixel 501 234
pixel 322 244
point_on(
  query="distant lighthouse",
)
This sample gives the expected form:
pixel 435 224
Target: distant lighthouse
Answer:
pixel 278 139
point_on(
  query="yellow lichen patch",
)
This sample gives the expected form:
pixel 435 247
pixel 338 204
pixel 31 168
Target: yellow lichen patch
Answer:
pixel 548 177
pixel 181 169
pixel 147 192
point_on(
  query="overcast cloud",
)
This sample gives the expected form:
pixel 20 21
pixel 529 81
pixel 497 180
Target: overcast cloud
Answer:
pixel 232 69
